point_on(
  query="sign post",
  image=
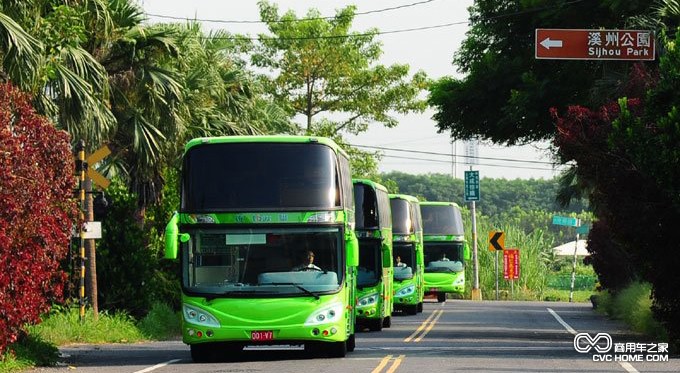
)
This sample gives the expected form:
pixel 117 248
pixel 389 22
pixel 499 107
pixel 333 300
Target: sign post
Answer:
pixel 496 243
pixel 471 195
pixel 575 44
pixel 571 222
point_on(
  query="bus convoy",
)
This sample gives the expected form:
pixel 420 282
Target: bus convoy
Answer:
pixel 277 245
pixel 445 249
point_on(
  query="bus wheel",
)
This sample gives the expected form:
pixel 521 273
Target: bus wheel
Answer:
pixel 201 353
pixel 419 307
pixel 387 322
pixel 336 349
pixel 375 325
pixel 441 297
pixel 351 343
pixel 411 309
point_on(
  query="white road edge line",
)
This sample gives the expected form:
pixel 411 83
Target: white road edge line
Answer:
pixel 157 366
pixel 624 364
pixel 559 320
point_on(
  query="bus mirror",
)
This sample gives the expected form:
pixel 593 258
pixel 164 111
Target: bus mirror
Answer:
pixel 466 252
pixel 171 236
pixel 353 251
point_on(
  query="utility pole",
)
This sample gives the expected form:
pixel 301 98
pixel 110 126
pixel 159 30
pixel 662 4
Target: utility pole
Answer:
pixel 91 252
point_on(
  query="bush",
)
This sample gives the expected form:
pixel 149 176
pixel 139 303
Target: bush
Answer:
pixel 36 211
pixel 161 323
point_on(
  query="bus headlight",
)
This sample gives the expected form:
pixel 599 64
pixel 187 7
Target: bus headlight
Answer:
pixel 325 315
pixel 367 300
pixel 198 316
pixel 460 280
pixel 406 290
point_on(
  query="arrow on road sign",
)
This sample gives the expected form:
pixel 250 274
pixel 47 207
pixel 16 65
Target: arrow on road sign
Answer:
pixel 93 158
pixel 547 43
pixel 496 241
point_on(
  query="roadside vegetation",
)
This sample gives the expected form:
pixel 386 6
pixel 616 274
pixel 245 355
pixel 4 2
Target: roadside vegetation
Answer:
pixel 62 326
pixel 94 70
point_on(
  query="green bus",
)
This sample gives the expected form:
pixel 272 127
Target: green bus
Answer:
pixel 407 244
pixel 265 238
pixel 374 275
pixel 445 249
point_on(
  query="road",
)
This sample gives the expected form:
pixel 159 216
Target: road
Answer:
pixel 454 336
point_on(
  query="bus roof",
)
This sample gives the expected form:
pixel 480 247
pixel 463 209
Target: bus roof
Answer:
pixel 406 197
pixel 371 183
pixel 439 203
pixel 266 139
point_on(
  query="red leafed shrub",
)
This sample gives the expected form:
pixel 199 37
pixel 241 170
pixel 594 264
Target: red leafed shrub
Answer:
pixel 36 212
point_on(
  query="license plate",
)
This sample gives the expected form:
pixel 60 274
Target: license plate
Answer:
pixel 434 289
pixel 261 335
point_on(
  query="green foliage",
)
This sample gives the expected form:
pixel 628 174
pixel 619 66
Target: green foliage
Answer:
pixel 633 305
pixel 64 327
pixel 506 93
pixel 508 199
pixel 320 67
pixel 161 323
pixel 28 352
pixel 125 263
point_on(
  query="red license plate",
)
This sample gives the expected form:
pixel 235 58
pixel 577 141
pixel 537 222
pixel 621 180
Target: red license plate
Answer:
pixel 261 335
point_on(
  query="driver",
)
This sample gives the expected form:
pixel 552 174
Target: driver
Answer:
pixel 308 263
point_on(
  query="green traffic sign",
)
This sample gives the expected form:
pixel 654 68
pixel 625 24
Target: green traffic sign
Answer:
pixel 471 186
pixel 583 229
pixel 565 220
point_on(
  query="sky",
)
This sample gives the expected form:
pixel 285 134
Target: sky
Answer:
pixel 414 146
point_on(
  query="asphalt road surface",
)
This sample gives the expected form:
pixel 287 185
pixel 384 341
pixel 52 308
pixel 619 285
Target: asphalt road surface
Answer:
pixel 459 335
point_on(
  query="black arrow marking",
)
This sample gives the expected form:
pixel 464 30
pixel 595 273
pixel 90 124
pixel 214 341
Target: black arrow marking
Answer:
pixel 494 241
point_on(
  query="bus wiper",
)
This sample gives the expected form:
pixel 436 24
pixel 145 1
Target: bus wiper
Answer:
pixel 297 285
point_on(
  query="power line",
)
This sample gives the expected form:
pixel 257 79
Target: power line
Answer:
pixel 484 164
pixel 288 20
pixel 398 31
pixel 451 155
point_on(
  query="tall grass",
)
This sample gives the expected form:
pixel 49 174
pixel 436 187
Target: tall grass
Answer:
pixel 535 250
pixel 161 323
pixel 633 305
pixel 66 327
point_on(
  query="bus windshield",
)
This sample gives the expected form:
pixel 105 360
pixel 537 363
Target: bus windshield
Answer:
pixel 370 265
pixel 404 260
pixel 366 207
pixel 441 219
pixel 444 256
pixel 249 176
pixel 263 261
pixel 401 217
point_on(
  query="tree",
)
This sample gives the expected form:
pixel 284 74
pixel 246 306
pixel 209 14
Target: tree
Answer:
pixel 320 67
pixel 506 94
pixel 36 211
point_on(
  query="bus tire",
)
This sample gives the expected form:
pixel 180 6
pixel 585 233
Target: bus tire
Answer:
pixel 387 322
pixel 201 353
pixel 336 349
pixel 351 343
pixel 411 309
pixel 419 307
pixel 441 297
pixel 375 325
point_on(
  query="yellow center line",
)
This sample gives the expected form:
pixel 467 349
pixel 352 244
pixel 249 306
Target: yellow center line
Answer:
pixel 395 364
pixel 421 327
pixel 382 364
pixel 430 326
